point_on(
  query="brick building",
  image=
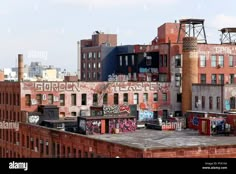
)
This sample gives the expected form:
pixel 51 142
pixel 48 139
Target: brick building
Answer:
pixel 97 57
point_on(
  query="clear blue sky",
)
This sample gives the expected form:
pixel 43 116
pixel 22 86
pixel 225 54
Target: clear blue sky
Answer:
pixel 50 28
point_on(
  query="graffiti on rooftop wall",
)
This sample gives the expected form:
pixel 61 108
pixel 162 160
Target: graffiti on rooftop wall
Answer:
pixel 139 86
pixel 93 127
pixel 124 125
pixel 115 109
pixel 98 87
pixel 56 86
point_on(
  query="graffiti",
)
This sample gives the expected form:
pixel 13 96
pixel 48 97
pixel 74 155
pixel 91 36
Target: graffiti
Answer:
pixel 117 78
pixel 146 70
pixel 96 87
pixel 115 109
pixel 33 119
pixel 56 86
pixel 145 115
pixel 124 125
pixel 124 108
pixel 139 86
pixel 93 127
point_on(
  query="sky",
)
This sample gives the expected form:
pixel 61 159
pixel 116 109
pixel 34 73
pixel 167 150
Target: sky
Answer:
pixel 48 30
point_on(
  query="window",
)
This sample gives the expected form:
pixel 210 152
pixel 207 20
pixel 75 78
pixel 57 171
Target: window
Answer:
pixel 213 61
pixel 89 65
pixel 132 59
pixel 99 54
pixel 232 102
pixel 179 97
pixel 23 140
pixel 105 99
pixel 161 61
pixel 125 97
pixel 99 65
pixel 164 97
pixel 94 65
pixel 50 98
pixel 196 102
pixel 79 153
pixel 203 102
pixel 94 75
pixel 84 55
pixel 231 79
pixel 94 55
pixel 73 99
pixel 116 98
pixel 218 103
pixel 213 79
pixel 120 60
pixel 98 75
pixel 221 78
pixel 73 113
pixel 58 150
pixel 232 61
pixel 84 99
pixel 39 98
pixel 178 60
pixel 68 152
pixel 90 55
pixel 32 143
pixel 202 60
pixel 136 98
pixel 27 141
pixel 162 77
pixel 148 60
pixel 41 146
pixel 165 60
pixel 27 99
pixel 126 60
pixel 37 143
pixel 203 78
pixel 221 61
pixel 210 102
pixel 95 99
pixel 84 65
pixel 177 79
pixel 62 99
pixel 155 97
pixel 89 75
pixel 74 152
pixel 84 76
pixel 145 97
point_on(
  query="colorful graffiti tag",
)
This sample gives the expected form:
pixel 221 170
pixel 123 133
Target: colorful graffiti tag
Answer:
pixel 115 109
pixel 124 125
pixel 93 127
pixel 145 115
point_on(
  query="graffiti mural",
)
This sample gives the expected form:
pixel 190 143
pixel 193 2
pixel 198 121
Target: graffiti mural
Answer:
pixel 93 127
pixel 145 115
pixel 123 124
pixel 97 87
pixel 115 109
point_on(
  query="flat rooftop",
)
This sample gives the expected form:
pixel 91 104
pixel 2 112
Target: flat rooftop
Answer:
pixel 154 139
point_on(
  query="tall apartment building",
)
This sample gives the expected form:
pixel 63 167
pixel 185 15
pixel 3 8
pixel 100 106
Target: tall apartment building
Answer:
pixel 97 56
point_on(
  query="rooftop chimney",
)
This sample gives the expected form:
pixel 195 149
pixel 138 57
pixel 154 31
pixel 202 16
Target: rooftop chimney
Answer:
pixel 20 68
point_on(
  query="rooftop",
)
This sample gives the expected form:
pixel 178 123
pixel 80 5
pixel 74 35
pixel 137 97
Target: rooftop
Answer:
pixel 153 139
